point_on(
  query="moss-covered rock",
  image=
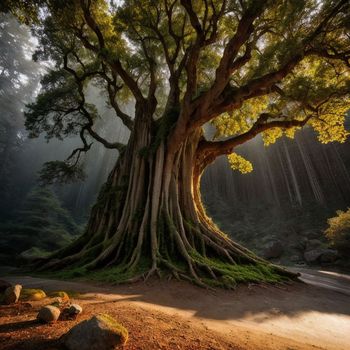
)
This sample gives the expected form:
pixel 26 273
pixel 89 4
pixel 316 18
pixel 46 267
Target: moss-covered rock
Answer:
pixel 30 294
pixel 64 297
pixel 115 326
pixel 101 332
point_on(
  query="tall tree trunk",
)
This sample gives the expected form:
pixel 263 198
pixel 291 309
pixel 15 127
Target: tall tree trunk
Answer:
pixel 149 219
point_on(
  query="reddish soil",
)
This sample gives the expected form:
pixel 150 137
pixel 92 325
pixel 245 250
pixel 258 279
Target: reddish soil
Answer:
pixel 147 330
pixel 177 315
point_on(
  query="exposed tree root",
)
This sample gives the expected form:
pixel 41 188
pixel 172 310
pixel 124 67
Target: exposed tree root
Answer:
pixel 149 221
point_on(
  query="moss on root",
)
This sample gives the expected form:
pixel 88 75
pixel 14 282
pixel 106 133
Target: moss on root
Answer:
pixel 117 274
pixel 232 274
pixel 227 275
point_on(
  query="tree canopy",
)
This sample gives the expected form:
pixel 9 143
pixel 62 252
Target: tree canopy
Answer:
pixel 247 67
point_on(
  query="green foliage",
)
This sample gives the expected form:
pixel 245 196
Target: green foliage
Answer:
pixel 254 223
pixel 231 274
pixel 26 11
pixel 338 232
pixel 30 294
pixel 116 274
pixel 61 172
pixel 42 225
pixel 239 163
pixel 239 273
pixel 124 48
pixel 33 253
pixel 56 109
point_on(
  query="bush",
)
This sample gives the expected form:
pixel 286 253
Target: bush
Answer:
pixel 338 232
pixel 42 225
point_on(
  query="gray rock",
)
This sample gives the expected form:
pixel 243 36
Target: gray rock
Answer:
pixel 320 255
pixel 49 314
pixel 313 244
pixel 302 244
pixel 4 285
pixel 100 332
pixel 75 309
pixel 295 258
pixel 273 250
pixel 329 256
pixel 310 234
pixel 12 294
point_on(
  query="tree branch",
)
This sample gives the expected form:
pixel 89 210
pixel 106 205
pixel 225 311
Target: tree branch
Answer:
pixel 228 64
pixel 208 151
pixel 84 112
pixel 231 98
pixel 115 64
pixel 78 151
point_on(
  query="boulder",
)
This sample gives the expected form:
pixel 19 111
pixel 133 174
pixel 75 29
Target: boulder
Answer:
pixel 273 250
pixel 313 244
pixel 100 332
pixel 302 244
pixel 4 285
pixel 61 296
pixel 320 255
pixel 75 309
pixel 329 256
pixel 312 234
pixel 295 258
pixel 30 294
pixel 12 294
pixel 48 314
pixel 71 312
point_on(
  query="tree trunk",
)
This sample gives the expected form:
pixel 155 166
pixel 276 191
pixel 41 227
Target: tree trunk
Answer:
pixel 149 219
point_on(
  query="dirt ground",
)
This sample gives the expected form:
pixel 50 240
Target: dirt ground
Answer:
pixel 147 330
pixel 177 315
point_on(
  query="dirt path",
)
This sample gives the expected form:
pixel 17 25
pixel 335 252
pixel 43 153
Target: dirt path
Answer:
pixel 298 316
pixel 326 279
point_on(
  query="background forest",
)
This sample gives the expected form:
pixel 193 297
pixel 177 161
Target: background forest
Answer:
pixel 294 188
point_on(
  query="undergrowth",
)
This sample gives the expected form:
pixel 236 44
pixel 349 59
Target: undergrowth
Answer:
pixel 228 275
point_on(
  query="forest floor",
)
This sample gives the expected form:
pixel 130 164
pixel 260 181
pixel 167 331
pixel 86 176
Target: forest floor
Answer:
pixel 178 315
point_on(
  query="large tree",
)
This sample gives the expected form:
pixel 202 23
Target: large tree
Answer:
pixel 245 66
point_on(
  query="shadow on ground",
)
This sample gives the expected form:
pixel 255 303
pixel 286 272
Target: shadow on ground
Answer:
pixel 246 301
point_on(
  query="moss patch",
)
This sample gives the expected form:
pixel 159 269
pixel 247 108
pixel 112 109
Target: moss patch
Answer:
pixel 115 326
pixel 30 294
pixel 232 274
pixel 229 275
pixel 116 274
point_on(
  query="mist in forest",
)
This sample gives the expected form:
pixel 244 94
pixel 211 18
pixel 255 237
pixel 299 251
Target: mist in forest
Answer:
pixel 295 187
